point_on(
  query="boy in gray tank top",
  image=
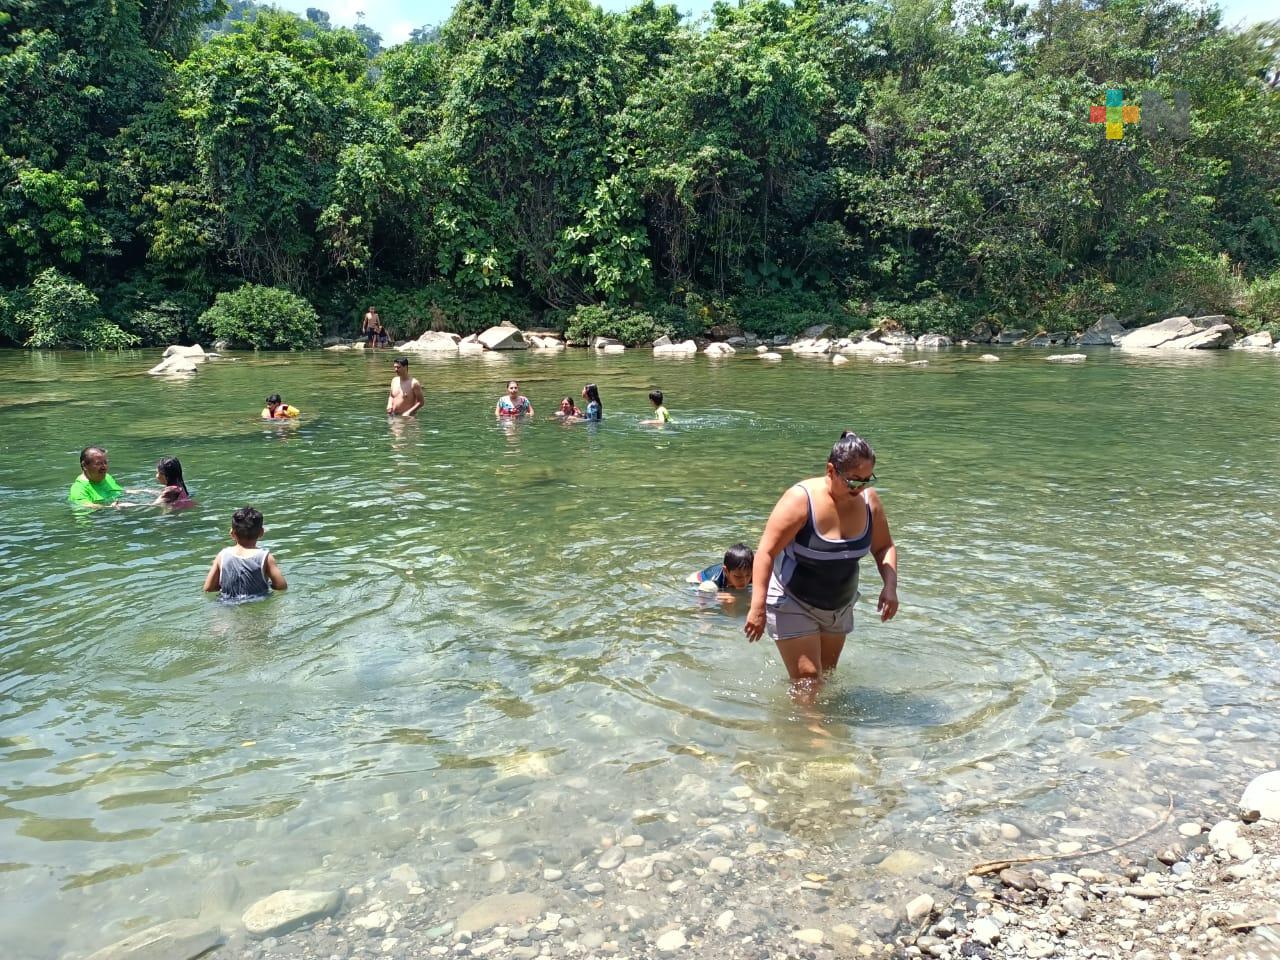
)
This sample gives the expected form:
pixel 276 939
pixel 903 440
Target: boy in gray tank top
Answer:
pixel 245 570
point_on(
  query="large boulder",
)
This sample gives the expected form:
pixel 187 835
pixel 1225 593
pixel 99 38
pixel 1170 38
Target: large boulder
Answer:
pixel 1158 333
pixel 176 364
pixel 871 348
pixel 718 350
pixel 811 347
pixel 981 333
pixel 932 341
pixel 543 342
pixel 503 337
pixel 171 940
pixel 600 343
pixel 195 352
pixel 686 349
pixel 1008 337
pixel 1263 795
pixel 433 341
pixel 1105 333
pixel 897 338
pixel 612 348
pixel 1255 341
pixel 1217 337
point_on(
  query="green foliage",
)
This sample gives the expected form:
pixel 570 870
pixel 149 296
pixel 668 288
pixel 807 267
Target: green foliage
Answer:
pixel 56 311
pixel 262 318
pixel 629 326
pixel 436 306
pixel 787 313
pixel 1262 300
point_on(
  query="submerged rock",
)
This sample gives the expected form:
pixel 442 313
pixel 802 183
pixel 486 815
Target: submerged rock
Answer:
pixel 505 909
pixel 1068 358
pixel 171 940
pixel 287 910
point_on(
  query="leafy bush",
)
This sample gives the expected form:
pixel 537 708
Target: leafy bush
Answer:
pixel 629 326
pixel 1262 299
pixel 56 311
pixel 437 306
pixel 787 314
pixel 262 318
pixel 937 314
pixel 153 312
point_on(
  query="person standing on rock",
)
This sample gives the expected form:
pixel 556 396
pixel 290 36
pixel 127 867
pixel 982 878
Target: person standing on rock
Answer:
pixel 805 574
pixel 405 398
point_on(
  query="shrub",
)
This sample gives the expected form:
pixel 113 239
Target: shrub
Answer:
pixel 624 324
pixel 262 318
pixel 937 314
pixel 1262 300
pixel 787 314
pixel 56 311
pixel 436 306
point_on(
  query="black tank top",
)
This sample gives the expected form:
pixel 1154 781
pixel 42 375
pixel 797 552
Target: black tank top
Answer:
pixel 820 572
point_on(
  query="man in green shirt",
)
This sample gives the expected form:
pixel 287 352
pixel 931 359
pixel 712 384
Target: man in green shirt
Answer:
pixel 94 487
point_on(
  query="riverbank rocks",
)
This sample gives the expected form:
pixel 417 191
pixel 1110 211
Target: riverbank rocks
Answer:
pixel 504 909
pixel 179 360
pixel 872 348
pixel 1262 796
pixel 686 349
pixel 718 350
pixel 769 355
pixel 838 360
pixel 341 347
pixel 171 940
pixel 1067 358
pixel 433 341
pixel 505 336
pixel 811 347
pixel 1255 341
pixel 1010 337
pixel 544 342
pixel 1105 333
pixel 1180 333
pixel 989 358
pixel 1216 337
pixel 932 341
pixel 287 910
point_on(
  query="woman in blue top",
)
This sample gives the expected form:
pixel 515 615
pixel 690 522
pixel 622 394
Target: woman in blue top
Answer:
pixel 595 409
pixel 805 574
pixel 513 404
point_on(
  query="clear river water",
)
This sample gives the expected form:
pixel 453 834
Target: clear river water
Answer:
pixel 487 625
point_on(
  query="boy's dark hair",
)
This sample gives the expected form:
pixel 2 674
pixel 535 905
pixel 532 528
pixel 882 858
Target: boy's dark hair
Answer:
pixel 274 398
pixel 402 362
pixel 655 396
pixel 247 523
pixel 739 557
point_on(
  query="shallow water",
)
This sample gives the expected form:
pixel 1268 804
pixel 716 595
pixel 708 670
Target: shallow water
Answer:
pixel 487 627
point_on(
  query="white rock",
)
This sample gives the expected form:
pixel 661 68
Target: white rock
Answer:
pixel 720 864
pixel 1240 849
pixel 611 858
pixel 1155 334
pixel 1255 341
pixel 1216 337
pixel 1009 832
pixel 718 350
pixel 724 921
pixel 897 338
pixel 171 940
pixel 176 364
pixel 671 941
pixel 919 908
pixel 761 348
pixel 473 347
pixel 1263 795
pixel 687 348
pixel 809 935
pixel 985 930
pixel 1223 834
pixel 1067 358
pixel 989 358
pixel 503 909
pixel 195 351
pixel 1189 829
pixel 872 348
pixel 286 910
pixel 932 341
pixel 636 870
pixel 662 341
pixel 433 341
pixel 632 840
pixel 770 355
pixel 811 347
pixel 601 342
pixel 1105 333
pixel 615 348
pixel 375 921
pixel 838 360
pixel 502 337
pixel 551 874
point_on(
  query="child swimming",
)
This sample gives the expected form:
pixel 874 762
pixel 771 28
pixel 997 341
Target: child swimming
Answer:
pixel 277 409
pixel 595 408
pixel 660 414
pixel 175 492
pixel 733 574
pixel 568 409
pixel 245 570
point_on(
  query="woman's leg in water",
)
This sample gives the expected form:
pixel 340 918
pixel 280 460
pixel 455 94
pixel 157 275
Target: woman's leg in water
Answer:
pixel 832 645
pixel 802 656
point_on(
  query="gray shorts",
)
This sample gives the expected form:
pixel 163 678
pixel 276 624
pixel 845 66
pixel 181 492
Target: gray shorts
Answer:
pixel 788 618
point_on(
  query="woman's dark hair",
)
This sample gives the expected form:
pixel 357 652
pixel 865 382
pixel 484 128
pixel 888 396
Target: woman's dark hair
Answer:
pixel 171 470
pixel 739 557
pixel 656 396
pixel 84 454
pixel 850 449
pixel 516 382
pixel 593 396
pixel 274 398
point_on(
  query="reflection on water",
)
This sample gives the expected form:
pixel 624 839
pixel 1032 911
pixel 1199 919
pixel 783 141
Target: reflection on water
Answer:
pixel 487 625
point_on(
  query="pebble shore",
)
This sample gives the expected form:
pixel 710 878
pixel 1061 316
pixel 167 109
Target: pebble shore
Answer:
pixel 1202 887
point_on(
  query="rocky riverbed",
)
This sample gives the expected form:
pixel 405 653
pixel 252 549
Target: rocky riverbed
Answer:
pixel 1182 885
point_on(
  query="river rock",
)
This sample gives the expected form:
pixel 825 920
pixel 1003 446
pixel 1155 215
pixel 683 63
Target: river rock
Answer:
pixel 544 342
pixel 931 341
pixel 985 930
pixel 469 347
pixel 611 858
pixel 1222 836
pixel 176 364
pixel 1009 337
pixel 339 347
pixel 770 355
pixel 1067 358
pixel 1105 333
pixel 601 342
pixel 171 940
pixel 195 351
pixel 433 341
pixel 612 348
pixel 718 350
pixel 817 331
pixel 1255 341
pixel 919 908
pixel 671 941
pixel 1217 337
pixel 1263 796
pixel 287 910
pixel 981 333
pixel 897 338
pixel 873 348
pixel 838 360
pixel 503 909
pixel 662 341
pixel 906 863
pixel 668 349
pixel 811 347
pixel 810 935
pixel 505 336
pixel 1156 334
pixel 989 358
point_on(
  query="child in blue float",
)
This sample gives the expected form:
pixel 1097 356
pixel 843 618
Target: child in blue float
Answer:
pixel 733 575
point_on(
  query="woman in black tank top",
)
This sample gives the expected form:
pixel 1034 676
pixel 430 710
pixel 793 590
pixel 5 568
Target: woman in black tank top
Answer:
pixel 805 577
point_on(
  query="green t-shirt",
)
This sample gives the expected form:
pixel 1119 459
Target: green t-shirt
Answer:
pixel 82 491
pixel 661 415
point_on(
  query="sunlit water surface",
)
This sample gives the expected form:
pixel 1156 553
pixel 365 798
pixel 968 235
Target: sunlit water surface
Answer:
pixel 486 624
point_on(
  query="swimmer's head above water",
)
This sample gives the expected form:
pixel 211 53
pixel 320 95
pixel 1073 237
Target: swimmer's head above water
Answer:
pixel 738 561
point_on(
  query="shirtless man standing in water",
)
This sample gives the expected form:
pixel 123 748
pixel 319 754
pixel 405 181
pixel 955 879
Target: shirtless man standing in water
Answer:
pixel 406 393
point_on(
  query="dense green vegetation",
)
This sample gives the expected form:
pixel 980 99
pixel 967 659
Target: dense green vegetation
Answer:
pixel 926 162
